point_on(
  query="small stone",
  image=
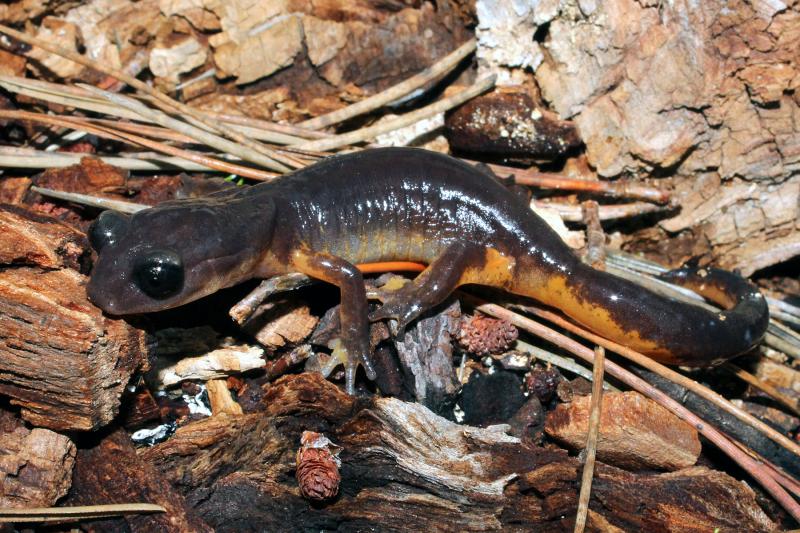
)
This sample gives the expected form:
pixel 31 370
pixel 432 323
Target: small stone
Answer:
pixel 514 360
pixel 635 433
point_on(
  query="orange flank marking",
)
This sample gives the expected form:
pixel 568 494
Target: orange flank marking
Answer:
pixel 389 266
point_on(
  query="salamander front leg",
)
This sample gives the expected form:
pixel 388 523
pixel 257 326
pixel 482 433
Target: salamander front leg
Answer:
pixel 353 346
pixel 432 286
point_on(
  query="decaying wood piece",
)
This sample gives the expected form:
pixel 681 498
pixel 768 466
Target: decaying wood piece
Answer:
pixel 507 123
pixel 784 377
pixel 405 468
pixel 202 451
pixel 27 238
pixel 35 465
pixel 215 364
pixel 90 176
pixel 110 471
pixel 426 353
pixel 635 432
pixel 61 359
pixel 13 190
pixel 281 324
pixel 221 399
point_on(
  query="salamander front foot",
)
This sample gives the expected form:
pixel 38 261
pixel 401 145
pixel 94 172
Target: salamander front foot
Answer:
pixel 350 359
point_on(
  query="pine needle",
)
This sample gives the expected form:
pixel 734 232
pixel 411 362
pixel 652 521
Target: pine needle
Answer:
pixel 84 512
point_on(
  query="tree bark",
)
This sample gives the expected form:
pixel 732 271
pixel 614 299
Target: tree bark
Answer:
pixel 405 468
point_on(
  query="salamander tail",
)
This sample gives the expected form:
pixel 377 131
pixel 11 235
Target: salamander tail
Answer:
pixel 746 308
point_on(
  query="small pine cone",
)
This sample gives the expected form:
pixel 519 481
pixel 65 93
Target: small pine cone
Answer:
pixel 317 467
pixel 542 382
pixel 483 335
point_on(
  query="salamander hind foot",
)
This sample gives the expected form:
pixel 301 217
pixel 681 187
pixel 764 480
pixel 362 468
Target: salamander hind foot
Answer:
pixel 403 305
pixel 350 359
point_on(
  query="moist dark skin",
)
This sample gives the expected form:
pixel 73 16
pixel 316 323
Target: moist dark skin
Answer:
pixel 403 204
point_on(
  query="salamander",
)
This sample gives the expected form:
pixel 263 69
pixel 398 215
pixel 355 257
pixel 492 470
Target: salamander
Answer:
pixel 403 204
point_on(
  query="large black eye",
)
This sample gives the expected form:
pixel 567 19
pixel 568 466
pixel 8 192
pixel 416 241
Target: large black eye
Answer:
pixel 159 273
pixel 109 227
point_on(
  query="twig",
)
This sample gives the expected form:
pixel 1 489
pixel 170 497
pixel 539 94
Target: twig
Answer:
pixel 84 512
pixel 255 123
pixel 248 305
pixel 790 483
pixel 41 159
pixel 217 363
pixel 784 307
pixel 154 132
pixel 353 137
pixel 70 96
pixel 788 336
pixel 65 95
pixel 287 282
pixel 758 471
pixel 210 73
pixel 573 213
pixel 667 373
pixel 591 439
pixel 763 386
pixel 633 262
pixel 267 158
pixel 780 315
pixel 557 181
pixel 595 249
pixel 776 341
pixel 210 162
pixel 165 120
pixel 93 201
pixel 444 65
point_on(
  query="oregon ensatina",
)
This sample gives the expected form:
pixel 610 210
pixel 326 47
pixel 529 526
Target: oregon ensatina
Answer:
pixel 408 205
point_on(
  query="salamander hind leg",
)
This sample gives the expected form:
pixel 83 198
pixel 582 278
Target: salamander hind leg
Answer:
pixel 455 266
pixel 352 348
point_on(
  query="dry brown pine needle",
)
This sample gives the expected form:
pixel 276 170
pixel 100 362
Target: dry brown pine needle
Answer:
pixel 483 335
pixel 317 467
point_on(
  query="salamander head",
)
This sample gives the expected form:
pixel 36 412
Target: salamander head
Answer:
pixel 173 254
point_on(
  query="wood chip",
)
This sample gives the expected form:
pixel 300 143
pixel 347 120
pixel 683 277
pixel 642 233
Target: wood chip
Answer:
pixel 221 399
pixel 281 324
pixel 635 433
pixel 35 467
pixel 170 60
pixel 262 53
pixel 27 238
pixel 216 364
